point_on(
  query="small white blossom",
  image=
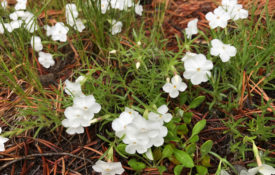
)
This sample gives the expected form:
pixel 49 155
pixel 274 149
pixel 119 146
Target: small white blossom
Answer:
pixel 21 5
pixel 46 59
pixel 192 28
pixel 119 125
pixel 2 141
pixel 71 14
pixel 17 14
pixel 2 30
pixel 263 169
pixel 108 168
pixel 217 19
pixel 79 26
pixel 189 55
pixel 30 22
pixel 139 134
pixel 161 116
pixel 74 89
pixel 197 69
pixel 225 51
pixel 121 4
pixel 175 86
pixel 229 3
pixel 36 43
pixel 4 4
pixel 104 6
pixel 58 32
pixel 80 114
pixel 16 24
pixel 8 27
pixel 138 9
pixel 116 27
pixel 237 12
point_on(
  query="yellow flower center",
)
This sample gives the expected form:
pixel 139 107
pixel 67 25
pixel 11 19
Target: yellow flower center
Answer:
pixel 198 69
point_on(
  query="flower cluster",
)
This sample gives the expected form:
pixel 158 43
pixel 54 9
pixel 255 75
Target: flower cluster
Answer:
pixel 230 9
pixel 80 114
pixel 2 141
pixel 141 134
pixel 71 17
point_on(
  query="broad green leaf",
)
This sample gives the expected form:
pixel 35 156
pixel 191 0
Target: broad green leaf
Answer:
pixel 206 147
pixel 178 169
pixel 191 148
pixel 198 127
pixel 167 151
pixel 138 166
pixel 162 169
pixel 196 102
pixel 184 158
pixel 171 136
pixel 201 170
pixel 183 98
pixel 194 139
pixel 187 117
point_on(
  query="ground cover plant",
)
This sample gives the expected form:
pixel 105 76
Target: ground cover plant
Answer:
pixel 137 87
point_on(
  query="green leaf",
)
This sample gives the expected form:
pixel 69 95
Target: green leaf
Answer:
pixel 157 154
pixel 206 147
pixel 171 136
pixel 198 127
pixel 138 166
pixel 194 139
pixel 184 158
pixel 162 169
pixel 206 161
pixel 196 102
pixel 167 151
pixel 187 117
pixel 191 148
pixel 201 170
pixel 178 169
pixel 183 98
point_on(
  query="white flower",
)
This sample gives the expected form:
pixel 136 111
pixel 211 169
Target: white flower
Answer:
pixel 8 27
pixel 197 69
pixel 116 27
pixel 79 25
pixel 74 89
pixel 263 169
pixel 2 30
pixel 217 19
pixel 36 43
pixel 30 22
pixel 46 59
pixel 138 9
pixel 192 28
pixel 16 24
pixel 17 14
pixel 80 114
pixel 137 64
pixel 104 6
pixel 121 4
pixel 139 134
pixel 58 32
pixel 87 104
pixel 108 168
pixel 175 86
pixel 71 14
pixel 119 125
pixel 21 5
pixel 161 116
pixel 225 51
pixel 189 55
pixel 237 12
pixel 228 3
pixel 2 141
pixel 4 4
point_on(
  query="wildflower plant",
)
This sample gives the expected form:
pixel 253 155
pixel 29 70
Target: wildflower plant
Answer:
pixel 120 83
